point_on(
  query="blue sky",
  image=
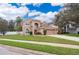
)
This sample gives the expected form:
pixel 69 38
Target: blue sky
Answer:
pixel 39 11
pixel 45 7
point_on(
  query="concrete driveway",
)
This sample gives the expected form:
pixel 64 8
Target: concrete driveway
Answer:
pixel 9 50
pixel 66 37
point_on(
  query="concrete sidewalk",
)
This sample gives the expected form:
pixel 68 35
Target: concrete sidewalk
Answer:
pixel 10 50
pixel 4 51
pixel 66 37
pixel 45 43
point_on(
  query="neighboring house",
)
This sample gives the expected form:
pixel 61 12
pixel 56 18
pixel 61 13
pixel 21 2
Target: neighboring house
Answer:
pixel 72 27
pixel 36 27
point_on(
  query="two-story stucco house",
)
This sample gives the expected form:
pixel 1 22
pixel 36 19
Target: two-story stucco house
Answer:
pixel 36 27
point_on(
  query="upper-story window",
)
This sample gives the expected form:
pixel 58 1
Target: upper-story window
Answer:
pixel 36 25
pixel 27 24
pixel 71 25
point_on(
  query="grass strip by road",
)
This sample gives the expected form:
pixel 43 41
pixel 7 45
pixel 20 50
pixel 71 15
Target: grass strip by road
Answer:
pixel 74 35
pixel 43 48
pixel 40 39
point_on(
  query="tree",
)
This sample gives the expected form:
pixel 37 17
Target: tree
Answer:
pixel 18 26
pixel 3 26
pixel 18 20
pixel 11 25
pixel 70 12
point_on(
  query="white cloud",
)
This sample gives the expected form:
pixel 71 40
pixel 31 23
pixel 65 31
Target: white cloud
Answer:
pixel 37 4
pixel 34 4
pixel 34 13
pixel 57 4
pixel 47 17
pixel 9 12
pixel 23 4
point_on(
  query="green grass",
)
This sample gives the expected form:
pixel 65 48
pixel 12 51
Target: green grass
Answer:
pixel 74 35
pixel 40 39
pixel 43 48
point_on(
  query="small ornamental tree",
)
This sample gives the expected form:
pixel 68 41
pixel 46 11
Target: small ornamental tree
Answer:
pixel 18 26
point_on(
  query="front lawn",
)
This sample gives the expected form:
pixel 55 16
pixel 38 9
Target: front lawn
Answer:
pixel 74 35
pixel 40 39
pixel 43 48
